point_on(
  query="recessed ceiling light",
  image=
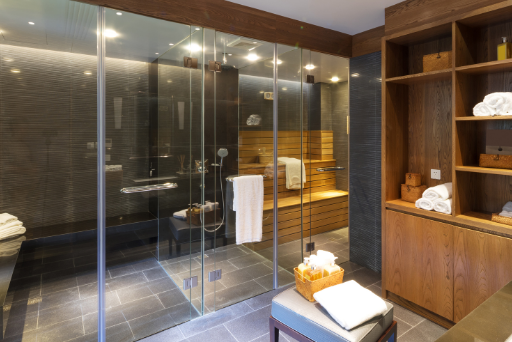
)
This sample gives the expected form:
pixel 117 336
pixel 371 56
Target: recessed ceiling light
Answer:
pixel 194 48
pixel 87 73
pixel 335 79
pixel 119 13
pixel 8 59
pixel 110 33
pixel 284 88
pixel 169 81
pixel 197 28
pixel 156 53
pixel 309 67
pixel 255 42
pixel 252 57
pixel 261 92
pixel 355 75
pixel 31 23
pixel 171 44
pixel 16 71
pixel 230 54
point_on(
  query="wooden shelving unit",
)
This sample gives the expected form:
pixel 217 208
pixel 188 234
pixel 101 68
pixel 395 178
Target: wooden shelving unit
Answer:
pixel 428 124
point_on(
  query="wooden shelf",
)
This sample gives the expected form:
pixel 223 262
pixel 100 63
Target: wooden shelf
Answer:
pixel 484 170
pixel 438 75
pixel 483 118
pixel 479 218
pixel 411 208
pixel 486 68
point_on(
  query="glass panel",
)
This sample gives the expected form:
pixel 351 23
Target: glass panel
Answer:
pixel 326 99
pixel 153 114
pixel 48 169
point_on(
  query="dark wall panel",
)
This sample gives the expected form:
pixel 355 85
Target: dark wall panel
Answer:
pixel 365 154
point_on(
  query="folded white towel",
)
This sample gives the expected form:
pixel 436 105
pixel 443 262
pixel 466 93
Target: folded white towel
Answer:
pixel 12 230
pixel 248 204
pixel 7 218
pixel 443 206
pixel 443 191
pixel 11 247
pixel 293 172
pixel 501 102
pixel 481 109
pixel 350 304
pixel 180 215
pixel 425 204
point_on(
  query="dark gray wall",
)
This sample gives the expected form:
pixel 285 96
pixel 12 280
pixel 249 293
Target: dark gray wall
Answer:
pixel 365 157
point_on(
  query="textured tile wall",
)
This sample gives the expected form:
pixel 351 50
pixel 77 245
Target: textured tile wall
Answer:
pixel 47 119
pixel 365 157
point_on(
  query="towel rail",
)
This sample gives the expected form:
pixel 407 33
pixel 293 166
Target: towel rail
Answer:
pixel 334 168
pixel 133 189
pixel 231 178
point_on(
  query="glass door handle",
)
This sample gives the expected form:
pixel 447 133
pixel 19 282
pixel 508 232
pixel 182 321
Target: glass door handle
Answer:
pixel 145 188
pixel 333 168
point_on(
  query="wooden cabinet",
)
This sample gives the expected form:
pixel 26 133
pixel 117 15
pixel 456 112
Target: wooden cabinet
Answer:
pixel 482 266
pixel 419 261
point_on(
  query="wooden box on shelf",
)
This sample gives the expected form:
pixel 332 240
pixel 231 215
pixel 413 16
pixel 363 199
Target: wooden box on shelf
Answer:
pixel 308 288
pixel 496 161
pixel 437 61
pixel 501 219
pixel 412 193
pixel 413 179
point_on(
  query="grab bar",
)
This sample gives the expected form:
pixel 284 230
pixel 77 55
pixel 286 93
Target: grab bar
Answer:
pixel 334 168
pixel 145 188
pixel 231 178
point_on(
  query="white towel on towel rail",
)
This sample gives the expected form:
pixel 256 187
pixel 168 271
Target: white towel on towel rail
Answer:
pixel 294 167
pixel 443 206
pixel 425 204
pixel 481 109
pixel 248 205
pixel 443 191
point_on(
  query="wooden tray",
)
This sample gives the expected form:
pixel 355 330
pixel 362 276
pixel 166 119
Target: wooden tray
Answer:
pixel 308 288
pixel 496 161
pixel 501 219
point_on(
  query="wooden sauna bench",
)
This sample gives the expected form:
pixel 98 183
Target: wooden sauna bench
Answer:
pixel 324 207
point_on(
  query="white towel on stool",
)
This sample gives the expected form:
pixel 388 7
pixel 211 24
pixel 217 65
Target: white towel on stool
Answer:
pixel 443 191
pixel 248 204
pixel 443 206
pixel 481 109
pixel 7 218
pixel 350 304
pixel 425 204
pixel 293 169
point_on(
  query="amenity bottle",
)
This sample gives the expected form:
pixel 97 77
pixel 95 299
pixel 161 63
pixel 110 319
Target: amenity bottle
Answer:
pixel 504 50
pixel 331 269
pixel 302 268
pixel 313 273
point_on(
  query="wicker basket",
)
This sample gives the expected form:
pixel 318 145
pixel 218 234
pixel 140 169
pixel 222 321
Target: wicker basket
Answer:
pixel 496 161
pixel 413 179
pixel 501 219
pixel 209 217
pixel 412 193
pixel 266 158
pixel 437 61
pixel 308 288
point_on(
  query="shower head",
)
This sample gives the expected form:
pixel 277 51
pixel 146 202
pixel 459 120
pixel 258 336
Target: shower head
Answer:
pixel 222 152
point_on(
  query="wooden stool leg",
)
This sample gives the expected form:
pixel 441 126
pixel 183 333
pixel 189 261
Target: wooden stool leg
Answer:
pixel 274 331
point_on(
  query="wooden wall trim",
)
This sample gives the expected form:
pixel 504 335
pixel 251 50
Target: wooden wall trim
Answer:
pixel 368 41
pixel 240 20
pixel 410 15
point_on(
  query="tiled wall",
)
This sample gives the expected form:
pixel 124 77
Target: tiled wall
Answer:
pixel 47 119
pixel 365 152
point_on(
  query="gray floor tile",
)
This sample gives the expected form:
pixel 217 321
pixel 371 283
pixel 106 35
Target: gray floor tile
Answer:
pixel 155 273
pixel 264 299
pixel 363 277
pixel 232 295
pixel 215 319
pixel 247 260
pixel 173 334
pixel 284 278
pixel 405 315
pixel 375 289
pixel 152 323
pixel 129 294
pixel 90 304
pixel 250 326
pixel 117 333
pixel 62 331
pixel 59 298
pixel 349 267
pixel 426 331
pixel 172 298
pixel 20 324
pixel 59 314
pixel 141 307
pixel 217 334
pixel 282 338
pixel 401 326
pixel 113 316
pixel 126 281
pixel 183 313
pixel 23 307
pixel 90 290
pixel 162 285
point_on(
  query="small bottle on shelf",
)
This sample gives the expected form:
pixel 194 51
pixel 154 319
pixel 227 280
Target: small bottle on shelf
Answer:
pixel 331 269
pixel 504 49
pixel 313 273
pixel 303 267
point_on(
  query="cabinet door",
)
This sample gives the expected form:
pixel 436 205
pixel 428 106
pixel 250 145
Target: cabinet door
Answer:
pixel 482 266
pixel 419 261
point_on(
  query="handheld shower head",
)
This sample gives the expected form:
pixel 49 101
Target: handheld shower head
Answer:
pixel 222 152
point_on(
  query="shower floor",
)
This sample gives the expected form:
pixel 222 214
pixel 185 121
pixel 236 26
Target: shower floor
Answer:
pixel 53 294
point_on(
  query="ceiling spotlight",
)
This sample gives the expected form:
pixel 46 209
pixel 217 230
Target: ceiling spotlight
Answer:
pixel 261 92
pixel 355 75
pixel 169 81
pixel 31 23
pixel 197 28
pixel 171 44
pixel 110 33
pixel 87 73
pixel 335 79
pixel 252 57
pixel 309 67
pixel 230 54
pixel 278 61
pixel 156 53
pixel 16 71
pixel 194 48
pixel 284 88
pixel 8 59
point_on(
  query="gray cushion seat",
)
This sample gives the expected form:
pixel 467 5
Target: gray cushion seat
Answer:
pixel 314 322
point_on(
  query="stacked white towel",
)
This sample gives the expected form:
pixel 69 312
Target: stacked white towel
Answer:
pixel 438 198
pixel 10 226
pixel 507 210
pixel 494 104
pixel 11 246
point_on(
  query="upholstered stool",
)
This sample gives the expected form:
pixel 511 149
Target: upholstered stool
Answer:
pixel 306 321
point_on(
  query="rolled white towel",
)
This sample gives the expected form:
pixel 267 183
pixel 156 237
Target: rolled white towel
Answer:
pixel 443 206
pixel 481 109
pixel 425 204
pixel 14 231
pixel 501 102
pixel 443 191
pixel 11 247
pixel 7 218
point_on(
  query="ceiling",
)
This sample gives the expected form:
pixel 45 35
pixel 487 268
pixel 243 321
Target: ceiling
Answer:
pixel 347 16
